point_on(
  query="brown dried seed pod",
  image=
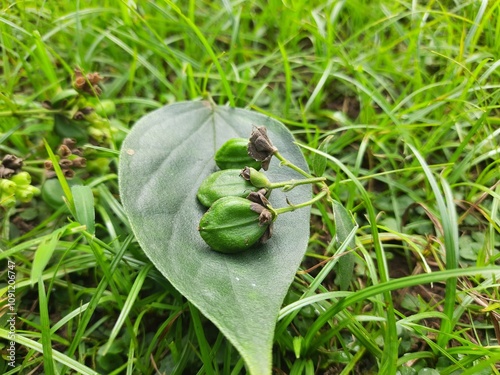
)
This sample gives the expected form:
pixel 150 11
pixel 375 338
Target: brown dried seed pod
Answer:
pixel 48 165
pixel 64 151
pixel 96 89
pixel 65 163
pixel 79 162
pixel 87 110
pixel 260 146
pixel 80 83
pixel 6 172
pixel 12 161
pixel 88 83
pixel 70 142
pixel 77 151
pixel 78 116
pixel 94 78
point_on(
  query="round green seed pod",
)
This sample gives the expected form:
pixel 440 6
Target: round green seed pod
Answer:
pixel 21 179
pixel 234 155
pixel 256 178
pixel 227 182
pixel 7 186
pixel 7 200
pixel 26 193
pixel 105 108
pixel 233 224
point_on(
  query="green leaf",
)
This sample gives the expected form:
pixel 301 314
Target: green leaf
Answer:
pixel 163 161
pixel 84 206
pixel 60 177
pixel 318 161
pixel 48 360
pixel 344 224
pixel 44 253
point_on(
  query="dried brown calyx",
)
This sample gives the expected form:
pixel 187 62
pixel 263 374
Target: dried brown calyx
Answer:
pixel 11 165
pixel 88 84
pixel 260 146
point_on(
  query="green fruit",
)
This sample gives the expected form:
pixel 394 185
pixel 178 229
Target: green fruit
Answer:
pixel 7 186
pixel 105 108
pixel 234 154
pixel 233 224
pixel 256 178
pixel 21 179
pixel 7 200
pixel 223 183
pixel 26 193
pixel 52 192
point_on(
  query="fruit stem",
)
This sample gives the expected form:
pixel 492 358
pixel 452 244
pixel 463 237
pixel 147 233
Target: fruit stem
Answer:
pixel 293 207
pixel 289 185
pixel 289 164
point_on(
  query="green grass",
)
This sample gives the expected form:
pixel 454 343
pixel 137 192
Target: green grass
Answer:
pixel 408 92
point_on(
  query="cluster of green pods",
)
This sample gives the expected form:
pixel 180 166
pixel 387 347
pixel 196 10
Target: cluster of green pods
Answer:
pixel 17 188
pixel 237 216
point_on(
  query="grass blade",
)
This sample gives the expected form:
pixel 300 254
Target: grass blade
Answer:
pixel 344 225
pixel 84 206
pixel 44 253
pixel 208 48
pixel 58 356
pixel 95 300
pixel 202 340
pixel 129 303
pixel 48 361
pixel 390 353
pixel 448 216
pixel 61 178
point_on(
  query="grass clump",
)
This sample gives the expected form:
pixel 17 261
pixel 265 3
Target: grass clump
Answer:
pixel 405 92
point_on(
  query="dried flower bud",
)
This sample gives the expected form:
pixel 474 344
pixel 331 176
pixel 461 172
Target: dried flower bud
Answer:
pixel 77 151
pixel 96 90
pixel 69 173
pixel 65 163
pixel 94 78
pixel 6 172
pixel 87 110
pixel 234 154
pixel 78 116
pixel 48 165
pixel 259 197
pixel 64 151
pixel 12 162
pixel 265 216
pixel 79 162
pixel 70 142
pixel 80 83
pixel 88 84
pixel 260 146
pixel 267 234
